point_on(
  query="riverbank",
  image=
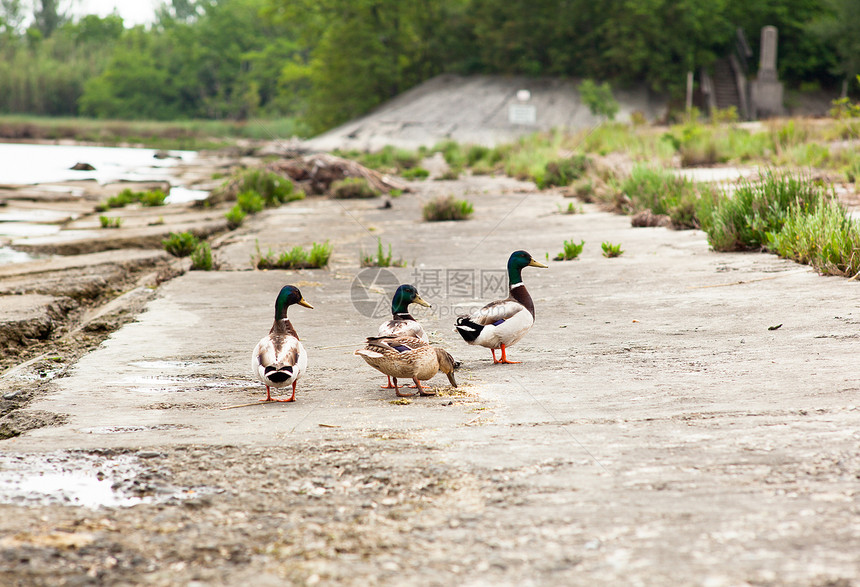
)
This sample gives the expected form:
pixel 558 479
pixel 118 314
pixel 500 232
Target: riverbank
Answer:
pixel 175 135
pixel 679 415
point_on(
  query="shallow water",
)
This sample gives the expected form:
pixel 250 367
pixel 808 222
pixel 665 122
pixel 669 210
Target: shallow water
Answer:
pixel 86 479
pixel 31 164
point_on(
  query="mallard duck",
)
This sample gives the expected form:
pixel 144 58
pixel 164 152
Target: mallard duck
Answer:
pixel 503 323
pixel 279 358
pixel 402 323
pixel 404 356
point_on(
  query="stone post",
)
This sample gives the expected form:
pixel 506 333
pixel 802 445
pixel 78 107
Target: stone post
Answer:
pixel 766 88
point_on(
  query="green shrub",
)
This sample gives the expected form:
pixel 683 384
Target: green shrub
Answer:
pixel 235 216
pixel 295 258
pixel 121 199
pixel 571 250
pixel 152 198
pixel 353 187
pixel 201 258
pixel 825 237
pixel 742 221
pixel 598 98
pixel 610 250
pixel 415 173
pixel 663 192
pixel 110 222
pixel 455 156
pixel 563 171
pixel 388 159
pixel 180 244
pixel 250 201
pixel 447 208
pixel 272 187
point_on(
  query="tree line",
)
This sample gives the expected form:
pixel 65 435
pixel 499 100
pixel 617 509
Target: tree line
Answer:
pixel 327 61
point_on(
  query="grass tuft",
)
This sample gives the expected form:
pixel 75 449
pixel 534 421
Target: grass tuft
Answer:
pixel 110 221
pixel 571 250
pixel 201 258
pixel 382 259
pixel 295 258
pixel 610 250
pixel 447 208
pixel 235 217
pixel 180 244
pixel 353 187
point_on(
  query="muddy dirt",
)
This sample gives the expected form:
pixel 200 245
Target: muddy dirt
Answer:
pixel 679 417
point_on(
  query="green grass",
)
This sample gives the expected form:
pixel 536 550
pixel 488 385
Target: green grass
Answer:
pixel 110 221
pixel 273 188
pixel 610 250
pixel 663 192
pixel 180 244
pixel 387 160
pixel 562 172
pixel 415 173
pixel 128 196
pixel 201 258
pixel 447 208
pixel 181 134
pixel 353 187
pixel 571 209
pixel 235 217
pixel 382 259
pixel 295 258
pixel 825 237
pixel 742 221
pixel 572 250
pixel 250 201
pixel 153 198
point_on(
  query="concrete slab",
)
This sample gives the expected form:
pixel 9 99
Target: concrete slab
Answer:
pixel 475 110
pixel 679 415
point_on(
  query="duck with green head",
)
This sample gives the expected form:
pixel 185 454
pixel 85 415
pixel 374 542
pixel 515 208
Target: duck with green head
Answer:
pixel 279 359
pixel 503 323
pixel 402 323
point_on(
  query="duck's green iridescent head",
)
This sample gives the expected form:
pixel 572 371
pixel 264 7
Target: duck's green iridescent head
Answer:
pixel 518 261
pixel 288 296
pixel 406 294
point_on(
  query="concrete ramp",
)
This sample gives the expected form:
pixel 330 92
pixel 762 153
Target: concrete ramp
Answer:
pixel 477 110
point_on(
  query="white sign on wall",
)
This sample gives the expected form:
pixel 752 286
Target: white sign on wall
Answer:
pixel 522 114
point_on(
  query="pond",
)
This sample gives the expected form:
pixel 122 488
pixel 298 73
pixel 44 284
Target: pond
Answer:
pixel 30 164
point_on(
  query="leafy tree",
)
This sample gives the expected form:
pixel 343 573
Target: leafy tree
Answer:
pixel 839 26
pixel 11 15
pixel 598 98
pixel 47 16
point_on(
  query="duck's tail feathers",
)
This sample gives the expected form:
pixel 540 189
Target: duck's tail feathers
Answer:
pixel 468 330
pixel 276 375
pixel 367 353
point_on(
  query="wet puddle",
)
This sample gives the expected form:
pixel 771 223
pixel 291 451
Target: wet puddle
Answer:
pixel 173 383
pixel 86 480
pixel 9 255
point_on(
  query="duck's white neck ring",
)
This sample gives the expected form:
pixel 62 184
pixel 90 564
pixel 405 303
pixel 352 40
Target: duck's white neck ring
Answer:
pixel 513 285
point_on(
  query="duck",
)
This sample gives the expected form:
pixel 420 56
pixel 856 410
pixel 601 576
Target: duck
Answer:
pixel 502 323
pixel 279 359
pixel 407 357
pixel 402 323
